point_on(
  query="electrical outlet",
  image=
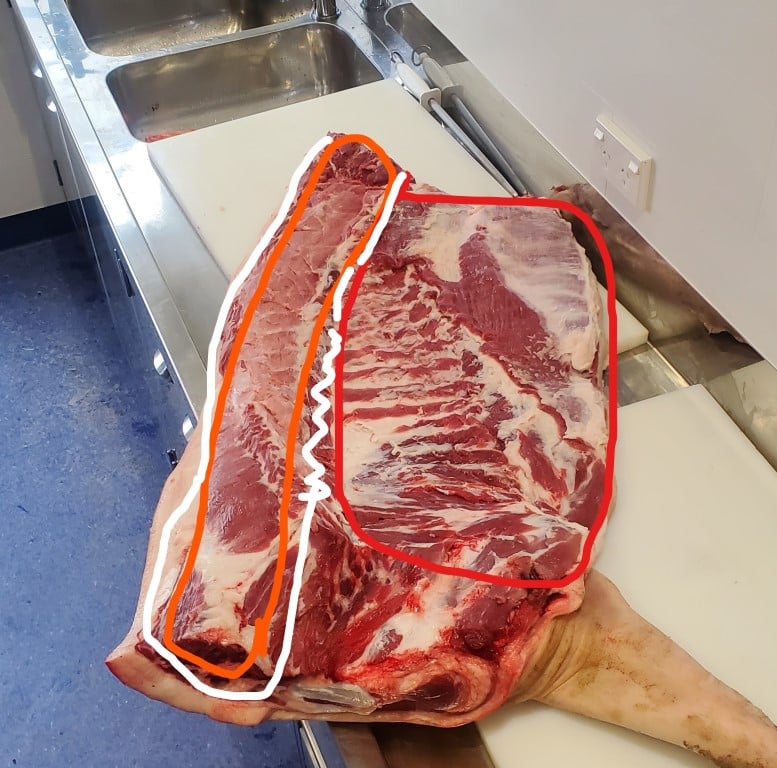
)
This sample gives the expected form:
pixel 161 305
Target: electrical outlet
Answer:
pixel 626 168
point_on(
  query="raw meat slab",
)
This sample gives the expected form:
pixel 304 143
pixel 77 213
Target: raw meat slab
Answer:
pixel 474 436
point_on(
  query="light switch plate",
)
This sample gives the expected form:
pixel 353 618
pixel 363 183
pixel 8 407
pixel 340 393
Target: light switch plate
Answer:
pixel 625 167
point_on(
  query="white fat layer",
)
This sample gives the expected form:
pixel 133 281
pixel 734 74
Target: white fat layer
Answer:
pixel 419 628
pixel 568 303
pixel 439 240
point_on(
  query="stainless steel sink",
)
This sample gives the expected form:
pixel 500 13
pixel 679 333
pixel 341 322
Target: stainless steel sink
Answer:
pixel 124 27
pixel 205 86
pixel 419 32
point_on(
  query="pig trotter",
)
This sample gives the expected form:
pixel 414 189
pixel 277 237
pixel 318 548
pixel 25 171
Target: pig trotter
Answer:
pixel 606 662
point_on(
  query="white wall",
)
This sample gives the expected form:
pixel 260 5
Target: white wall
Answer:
pixel 27 177
pixel 695 81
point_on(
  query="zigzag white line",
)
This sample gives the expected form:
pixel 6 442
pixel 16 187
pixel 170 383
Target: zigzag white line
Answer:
pixel 318 489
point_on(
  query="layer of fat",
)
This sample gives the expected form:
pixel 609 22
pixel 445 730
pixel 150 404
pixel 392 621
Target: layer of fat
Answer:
pixel 420 630
pixel 440 238
pixel 570 317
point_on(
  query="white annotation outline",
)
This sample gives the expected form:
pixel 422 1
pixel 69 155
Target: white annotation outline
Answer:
pixel 318 489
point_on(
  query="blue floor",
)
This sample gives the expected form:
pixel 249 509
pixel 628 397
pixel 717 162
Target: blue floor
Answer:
pixel 81 468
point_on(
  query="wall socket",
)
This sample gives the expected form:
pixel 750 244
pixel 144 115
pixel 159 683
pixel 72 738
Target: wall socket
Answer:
pixel 625 167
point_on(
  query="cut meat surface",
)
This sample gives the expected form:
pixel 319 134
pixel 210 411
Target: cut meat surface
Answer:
pixel 475 423
pixel 474 437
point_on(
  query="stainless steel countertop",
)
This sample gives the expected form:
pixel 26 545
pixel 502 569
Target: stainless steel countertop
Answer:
pixel 179 280
pixel 174 273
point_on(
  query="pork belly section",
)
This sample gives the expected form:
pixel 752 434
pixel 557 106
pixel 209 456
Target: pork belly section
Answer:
pixel 475 423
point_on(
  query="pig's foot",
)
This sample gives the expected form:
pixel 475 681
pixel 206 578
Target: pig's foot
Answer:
pixel 606 662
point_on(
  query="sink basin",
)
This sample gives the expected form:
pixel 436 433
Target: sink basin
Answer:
pixel 121 27
pixel 205 86
pixel 418 31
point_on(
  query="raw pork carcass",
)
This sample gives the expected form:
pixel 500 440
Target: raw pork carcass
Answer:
pixel 474 437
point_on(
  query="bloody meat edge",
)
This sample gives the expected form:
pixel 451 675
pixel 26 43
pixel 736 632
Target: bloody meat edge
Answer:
pixel 472 381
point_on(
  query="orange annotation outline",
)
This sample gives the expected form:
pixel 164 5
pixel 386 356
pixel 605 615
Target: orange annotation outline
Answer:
pixel 262 625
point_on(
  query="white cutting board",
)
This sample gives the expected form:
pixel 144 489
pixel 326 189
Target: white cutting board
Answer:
pixel 230 178
pixel 692 544
pixel 631 333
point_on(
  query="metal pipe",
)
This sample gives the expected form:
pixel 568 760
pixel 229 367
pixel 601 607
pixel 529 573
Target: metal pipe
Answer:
pixel 449 92
pixel 430 98
pixel 325 10
pixel 485 140
pixel 456 131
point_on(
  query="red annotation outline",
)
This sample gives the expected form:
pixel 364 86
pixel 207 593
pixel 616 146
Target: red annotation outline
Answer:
pixel 339 491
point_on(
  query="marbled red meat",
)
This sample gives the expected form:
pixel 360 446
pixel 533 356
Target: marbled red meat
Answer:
pixel 475 430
